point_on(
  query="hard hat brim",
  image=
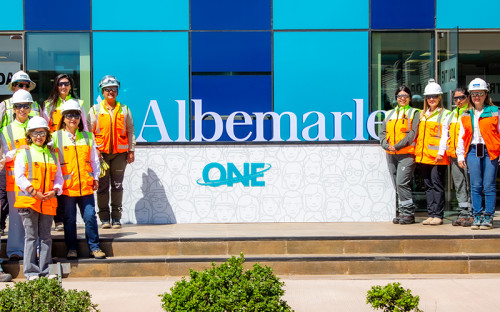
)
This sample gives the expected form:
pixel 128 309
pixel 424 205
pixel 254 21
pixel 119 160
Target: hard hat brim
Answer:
pixel 32 85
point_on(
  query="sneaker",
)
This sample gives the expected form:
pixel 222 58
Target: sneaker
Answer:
pixel 477 222
pixel 5 277
pixel 15 258
pixel 487 223
pixel 117 224
pixel 52 276
pixel 436 221
pixel 59 227
pixel 98 254
pixel 407 220
pixel 105 224
pixel 33 277
pixel 467 221
pixel 395 220
pixel 427 221
pixel 72 254
pixel 458 221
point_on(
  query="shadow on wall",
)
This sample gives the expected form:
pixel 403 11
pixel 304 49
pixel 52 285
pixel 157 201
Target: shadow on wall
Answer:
pixel 153 207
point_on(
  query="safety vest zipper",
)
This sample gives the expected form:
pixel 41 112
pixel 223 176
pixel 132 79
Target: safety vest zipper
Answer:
pixel 423 140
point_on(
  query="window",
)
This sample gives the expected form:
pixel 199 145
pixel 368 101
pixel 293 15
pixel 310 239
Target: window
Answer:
pixel 11 61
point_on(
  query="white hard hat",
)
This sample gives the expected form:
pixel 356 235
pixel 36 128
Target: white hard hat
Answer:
pixel 22 96
pixel 478 84
pixel 71 105
pixel 21 76
pixel 109 81
pixel 37 122
pixel 432 88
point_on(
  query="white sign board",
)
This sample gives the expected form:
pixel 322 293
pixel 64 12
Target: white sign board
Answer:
pixel 7 69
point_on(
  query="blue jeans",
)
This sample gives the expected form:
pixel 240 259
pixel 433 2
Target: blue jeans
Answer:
pixel 483 174
pixel 87 210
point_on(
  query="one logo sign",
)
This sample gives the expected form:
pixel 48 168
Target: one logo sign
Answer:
pixel 216 174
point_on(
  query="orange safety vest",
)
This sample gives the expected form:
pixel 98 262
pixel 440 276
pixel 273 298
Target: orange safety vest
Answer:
pixel 488 126
pixel 14 134
pixel 56 116
pixel 398 124
pixel 74 157
pixel 111 131
pixel 41 168
pixel 454 122
pixel 430 130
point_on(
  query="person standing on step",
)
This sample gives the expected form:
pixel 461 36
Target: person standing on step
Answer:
pixel 430 151
pixel 478 150
pixel 62 91
pixel 460 175
pixel 397 137
pixel 38 179
pixel 113 128
pixel 80 168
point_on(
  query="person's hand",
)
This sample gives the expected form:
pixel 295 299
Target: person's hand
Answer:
pixel 96 185
pixel 38 195
pixel 48 195
pixel 462 164
pixel 438 158
pixel 392 149
pixel 130 157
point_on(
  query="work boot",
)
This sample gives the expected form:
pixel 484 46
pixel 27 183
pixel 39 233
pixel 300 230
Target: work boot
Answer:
pixel 477 222
pixel 116 224
pixel 105 224
pixel 487 223
pixel 458 221
pixel 59 227
pixel 395 220
pixel 98 254
pixel 72 254
pixel 467 221
pixel 406 220
pixel 5 277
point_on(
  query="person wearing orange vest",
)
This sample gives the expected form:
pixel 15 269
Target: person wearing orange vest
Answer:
pixel 397 138
pixel 62 91
pixel 113 128
pixel 479 149
pixel 430 151
pixel 460 175
pixel 38 180
pixel 80 168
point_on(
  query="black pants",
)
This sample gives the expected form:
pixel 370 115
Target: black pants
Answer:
pixel 4 203
pixel 434 188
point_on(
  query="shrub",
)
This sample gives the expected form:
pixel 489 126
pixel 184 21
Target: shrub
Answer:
pixel 392 298
pixel 228 288
pixel 44 295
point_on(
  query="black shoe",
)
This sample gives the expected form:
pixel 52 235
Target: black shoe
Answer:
pixel 15 258
pixel 116 224
pixel 395 220
pixel 407 220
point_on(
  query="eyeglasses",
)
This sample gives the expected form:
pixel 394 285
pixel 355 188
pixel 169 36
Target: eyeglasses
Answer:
pixel 115 89
pixel 22 106
pixel 37 134
pixel 480 93
pixel 432 96
pixel 64 83
pixel 459 98
pixel 403 96
pixel 23 85
pixel 72 116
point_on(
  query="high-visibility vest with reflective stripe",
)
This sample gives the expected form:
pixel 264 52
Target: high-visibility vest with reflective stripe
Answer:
pixel 111 130
pixel 14 135
pixel 56 116
pixel 74 158
pixel 41 168
pixel 430 130
pixel 488 126
pixel 9 112
pixel 398 125
pixel 454 122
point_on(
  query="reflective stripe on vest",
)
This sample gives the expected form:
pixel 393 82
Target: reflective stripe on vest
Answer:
pixel 428 142
pixel 396 130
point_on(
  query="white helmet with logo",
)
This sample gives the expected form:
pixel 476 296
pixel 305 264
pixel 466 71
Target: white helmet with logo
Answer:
pixel 432 88
pixel 109 81
pixel 478 84
pixel 21 76
pixel 71 105
pixel 37 122
pixel 22 96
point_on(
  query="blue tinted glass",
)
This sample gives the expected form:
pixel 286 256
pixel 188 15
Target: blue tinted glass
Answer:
pixel 14 19
pixel 230 14
pixel 227 94
pixel 450 15
pixel 407 14
pixel 57 15
pixel 137 15
pixel 231 51
pixel 320 14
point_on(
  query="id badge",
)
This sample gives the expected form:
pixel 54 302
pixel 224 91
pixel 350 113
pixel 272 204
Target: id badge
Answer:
pixel 480 150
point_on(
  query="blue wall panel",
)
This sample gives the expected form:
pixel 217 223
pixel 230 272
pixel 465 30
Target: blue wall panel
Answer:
pixel 57 14
pixel 137 15
pixel 402 14
pixel 14 19
pixel 143 77
pixel 453 13
pixel 230 15
pixel 321 71
pixel 320 14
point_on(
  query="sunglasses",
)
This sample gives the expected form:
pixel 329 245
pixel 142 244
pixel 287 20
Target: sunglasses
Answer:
pixel 459 98
pixel 72 116
pixel 22 106
pixel 23 85
pixel 64 83
pixel 432 96
pixel 115 89
pixel 480 93
pixel 403 96
pixel 37 134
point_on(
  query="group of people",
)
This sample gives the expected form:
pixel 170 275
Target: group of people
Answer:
pixel 51 159
pixel 466 138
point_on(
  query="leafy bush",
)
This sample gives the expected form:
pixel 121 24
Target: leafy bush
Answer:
pixel 228 288
pixel 392 298
pixel 44 295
